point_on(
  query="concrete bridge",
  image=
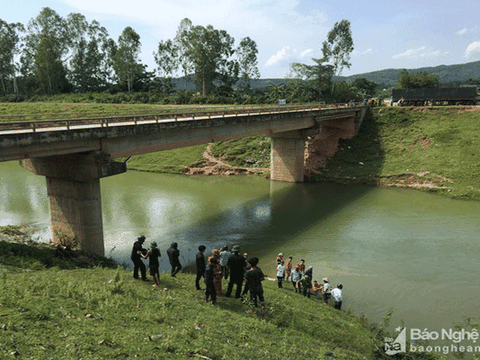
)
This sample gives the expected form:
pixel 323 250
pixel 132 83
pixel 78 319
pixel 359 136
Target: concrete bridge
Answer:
pixel 74 154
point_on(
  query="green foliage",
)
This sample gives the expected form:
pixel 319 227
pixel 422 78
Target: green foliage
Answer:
pixel 168 161
pixel 437 148
pixel 417 80
pixel 338 46
pixel 251 151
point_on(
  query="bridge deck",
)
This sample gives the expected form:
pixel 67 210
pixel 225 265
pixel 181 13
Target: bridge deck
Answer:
pixel 25 139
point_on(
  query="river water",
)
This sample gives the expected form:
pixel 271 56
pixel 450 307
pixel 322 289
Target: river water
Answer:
pixel 397 249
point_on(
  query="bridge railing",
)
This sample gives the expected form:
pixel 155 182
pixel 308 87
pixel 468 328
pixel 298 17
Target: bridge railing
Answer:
pixel 68 124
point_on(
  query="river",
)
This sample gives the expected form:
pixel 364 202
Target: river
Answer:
pixel 399 249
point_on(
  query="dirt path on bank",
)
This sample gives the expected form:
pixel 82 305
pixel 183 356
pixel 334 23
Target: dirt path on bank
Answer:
pixel 317 152
pixel 217 166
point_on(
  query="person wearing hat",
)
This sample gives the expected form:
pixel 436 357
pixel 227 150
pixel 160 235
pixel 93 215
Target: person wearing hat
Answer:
pixel 153 254
pixel 337 296
pixel 236 265
pixel 279 259
pixel 326 290
pixel 136 257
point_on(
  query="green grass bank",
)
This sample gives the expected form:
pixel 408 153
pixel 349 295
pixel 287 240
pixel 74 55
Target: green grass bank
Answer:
pixel 58 310
pixel 429 149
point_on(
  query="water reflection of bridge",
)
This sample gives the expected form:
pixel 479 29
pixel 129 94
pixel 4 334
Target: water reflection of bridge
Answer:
pixel 74 154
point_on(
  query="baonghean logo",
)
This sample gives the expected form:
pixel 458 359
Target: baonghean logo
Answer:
pixel 398 345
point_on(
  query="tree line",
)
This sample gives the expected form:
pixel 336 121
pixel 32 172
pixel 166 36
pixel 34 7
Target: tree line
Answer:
pixel 53 55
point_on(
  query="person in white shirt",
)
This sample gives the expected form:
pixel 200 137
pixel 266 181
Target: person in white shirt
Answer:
pixel 326 290
pixel 280 273
pixel 337 296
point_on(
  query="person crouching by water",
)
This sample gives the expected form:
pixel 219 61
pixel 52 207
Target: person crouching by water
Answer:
pixel 296 276
pixel 136 257
pixel 337 296
pixel 200 266
pixel 254 278
pixel 209 277
pixel 153 254
pixel 174 257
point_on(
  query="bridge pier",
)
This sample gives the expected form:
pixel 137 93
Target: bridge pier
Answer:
pixel 73 188
pixel 288 156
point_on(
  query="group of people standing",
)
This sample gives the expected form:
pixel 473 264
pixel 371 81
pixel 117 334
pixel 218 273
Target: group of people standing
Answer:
pixel 222 264
pixel 139 253
pixel 301 279
pixel 225 264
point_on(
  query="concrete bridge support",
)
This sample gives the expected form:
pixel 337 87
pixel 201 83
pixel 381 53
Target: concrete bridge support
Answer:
pixel 73 188
pixel 287 156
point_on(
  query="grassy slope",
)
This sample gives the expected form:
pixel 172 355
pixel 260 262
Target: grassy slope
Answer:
pixel 60 311
pixel 397 144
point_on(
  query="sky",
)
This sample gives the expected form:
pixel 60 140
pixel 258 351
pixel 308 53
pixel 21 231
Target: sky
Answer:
pixel 388 34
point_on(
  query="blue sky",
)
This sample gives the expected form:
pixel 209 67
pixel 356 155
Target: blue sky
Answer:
pixel 387 34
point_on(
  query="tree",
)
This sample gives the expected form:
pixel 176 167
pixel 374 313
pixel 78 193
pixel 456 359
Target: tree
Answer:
pixel 318 76
pixel 48 24
pixel 209 50
pixel 248 64
pixel 9 41
pixel 88 69
pixel 126 63
pixel 183 48
pixel 167 60
pixel 366 86
pixel 417 80
pixel 338 46
pixel 49 71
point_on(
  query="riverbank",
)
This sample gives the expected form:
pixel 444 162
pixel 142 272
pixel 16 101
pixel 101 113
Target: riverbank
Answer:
pixel 433 149
pixel 103 312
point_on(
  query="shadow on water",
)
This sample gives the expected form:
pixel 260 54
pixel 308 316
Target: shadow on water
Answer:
pixel 272 220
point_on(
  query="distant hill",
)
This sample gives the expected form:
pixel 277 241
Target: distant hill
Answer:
pixel 389 77
pixel 447 73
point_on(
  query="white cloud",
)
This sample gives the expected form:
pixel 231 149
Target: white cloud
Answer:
pixel 280 55
pixel 305 52
pixel 357 54
pixel 461 32
pixel 420 52
pixel 411 53
pixel 473 49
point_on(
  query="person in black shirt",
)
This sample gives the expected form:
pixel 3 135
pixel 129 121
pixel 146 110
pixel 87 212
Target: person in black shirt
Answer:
pixel 209 276
pixel 136 257
pixel 153 254
pixel 236 265
pixel 200 265
pixel 174 257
